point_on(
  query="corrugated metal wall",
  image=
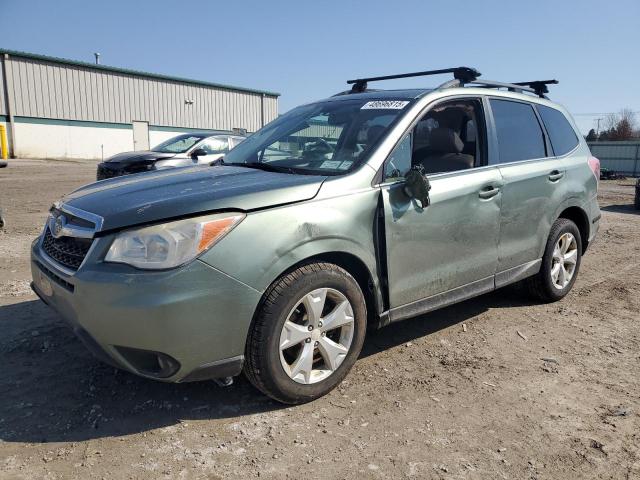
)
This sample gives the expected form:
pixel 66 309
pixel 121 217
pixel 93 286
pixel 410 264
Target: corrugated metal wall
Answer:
pixel 3 107
pixel 621 157
pixel 46 89
pixel 320 130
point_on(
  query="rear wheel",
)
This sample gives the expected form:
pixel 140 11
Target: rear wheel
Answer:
pixel 307 335
pixel 560 263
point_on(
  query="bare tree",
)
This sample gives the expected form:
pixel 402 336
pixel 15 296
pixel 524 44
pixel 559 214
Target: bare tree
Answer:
pixel 619 126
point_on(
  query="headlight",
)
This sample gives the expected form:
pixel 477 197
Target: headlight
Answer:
pixel 171 244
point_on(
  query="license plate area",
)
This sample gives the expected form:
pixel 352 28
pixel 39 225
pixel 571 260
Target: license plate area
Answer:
pixel 44 276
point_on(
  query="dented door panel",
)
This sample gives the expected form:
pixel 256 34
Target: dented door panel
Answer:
pixel 452 242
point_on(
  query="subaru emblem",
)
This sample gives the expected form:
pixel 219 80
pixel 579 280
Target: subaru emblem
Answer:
pixel 58 226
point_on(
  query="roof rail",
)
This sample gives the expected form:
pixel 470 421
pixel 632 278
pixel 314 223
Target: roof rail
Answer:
pixel 512 87
pixel 538 87
pixel 461 74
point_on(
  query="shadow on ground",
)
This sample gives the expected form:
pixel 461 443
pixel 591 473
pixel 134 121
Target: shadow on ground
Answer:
pixel 54 390
pixel 623 208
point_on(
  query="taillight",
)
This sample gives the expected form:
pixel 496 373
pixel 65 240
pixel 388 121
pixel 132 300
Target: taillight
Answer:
pixel 594 164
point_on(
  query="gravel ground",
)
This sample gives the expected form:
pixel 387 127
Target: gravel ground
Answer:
pixel 495 387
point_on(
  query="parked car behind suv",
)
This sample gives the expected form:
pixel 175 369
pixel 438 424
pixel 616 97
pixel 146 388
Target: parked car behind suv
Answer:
pixel 191 148
pixel 386 205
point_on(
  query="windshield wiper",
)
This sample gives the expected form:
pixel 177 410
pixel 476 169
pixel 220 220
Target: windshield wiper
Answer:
pixel 264 166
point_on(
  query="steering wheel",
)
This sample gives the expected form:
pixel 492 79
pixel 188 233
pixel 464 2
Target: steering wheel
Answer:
pixel 322 142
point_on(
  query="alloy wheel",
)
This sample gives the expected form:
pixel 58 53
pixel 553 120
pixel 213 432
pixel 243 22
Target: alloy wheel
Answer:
pixel 316 336
pixel 564 260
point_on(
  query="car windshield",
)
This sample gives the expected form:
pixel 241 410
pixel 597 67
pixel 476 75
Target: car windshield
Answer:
pixel 326 138
pixel 179 144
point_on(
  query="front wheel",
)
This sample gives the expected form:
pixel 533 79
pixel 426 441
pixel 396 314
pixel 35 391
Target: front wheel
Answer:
pixel 307 334
pixel 560 262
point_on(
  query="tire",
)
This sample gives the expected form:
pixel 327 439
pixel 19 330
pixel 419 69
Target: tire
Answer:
pixel 637 200
pixel 272 370
pixel 542 285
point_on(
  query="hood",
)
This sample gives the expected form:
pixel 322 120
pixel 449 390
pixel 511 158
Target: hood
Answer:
pixel 154 196
pixel 128 158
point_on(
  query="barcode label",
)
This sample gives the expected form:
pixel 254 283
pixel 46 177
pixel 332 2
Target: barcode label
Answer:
pixel 385 104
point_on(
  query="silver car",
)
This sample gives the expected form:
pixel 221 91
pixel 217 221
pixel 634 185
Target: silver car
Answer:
pixel 193 148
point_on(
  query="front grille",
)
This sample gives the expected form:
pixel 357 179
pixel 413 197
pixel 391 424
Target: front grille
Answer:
pixel 104 173
pixel 67 251
pixel 73 220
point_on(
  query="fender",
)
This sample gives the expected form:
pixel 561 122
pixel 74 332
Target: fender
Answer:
pixel 573 201
pixel 270 242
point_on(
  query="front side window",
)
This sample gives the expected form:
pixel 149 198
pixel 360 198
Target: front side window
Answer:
pixel 179 144
pixel 215 145
pixel 399 162
pixel 327 138
pixel 448 138
pixel 561 134
pixel 519 133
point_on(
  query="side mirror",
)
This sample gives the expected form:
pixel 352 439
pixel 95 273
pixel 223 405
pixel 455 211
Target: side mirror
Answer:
pixel 417 185
pixel 198 152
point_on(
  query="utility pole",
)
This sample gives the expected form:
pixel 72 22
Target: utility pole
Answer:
pixel 598 128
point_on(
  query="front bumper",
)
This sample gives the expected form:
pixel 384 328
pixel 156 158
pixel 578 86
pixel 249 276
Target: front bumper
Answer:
pixel 194 315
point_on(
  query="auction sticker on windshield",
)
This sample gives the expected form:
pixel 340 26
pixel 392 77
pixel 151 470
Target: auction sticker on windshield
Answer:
pixel 385 104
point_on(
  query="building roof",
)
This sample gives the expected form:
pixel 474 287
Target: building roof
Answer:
pixel 76 63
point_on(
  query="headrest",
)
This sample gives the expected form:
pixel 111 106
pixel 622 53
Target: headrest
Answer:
pixel 451 117
pixel 445 140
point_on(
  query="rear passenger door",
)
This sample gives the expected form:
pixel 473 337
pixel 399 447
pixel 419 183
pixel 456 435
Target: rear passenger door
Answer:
pixel 532 186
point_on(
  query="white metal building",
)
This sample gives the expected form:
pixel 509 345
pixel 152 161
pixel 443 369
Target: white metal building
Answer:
pixel 57 108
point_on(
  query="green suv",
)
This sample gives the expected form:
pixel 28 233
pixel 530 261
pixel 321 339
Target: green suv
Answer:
pixel 356 211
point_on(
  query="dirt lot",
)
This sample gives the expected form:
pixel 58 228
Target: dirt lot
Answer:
pixel 464 392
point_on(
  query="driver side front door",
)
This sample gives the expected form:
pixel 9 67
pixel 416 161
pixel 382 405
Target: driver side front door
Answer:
pixel 447 251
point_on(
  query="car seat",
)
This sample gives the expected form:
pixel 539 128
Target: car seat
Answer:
pixel 444 153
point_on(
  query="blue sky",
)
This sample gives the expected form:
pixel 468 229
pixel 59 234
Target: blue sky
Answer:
pixel 306 50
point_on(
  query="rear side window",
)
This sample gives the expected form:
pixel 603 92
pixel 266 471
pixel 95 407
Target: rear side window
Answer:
pixel 519 133
pixel 563 137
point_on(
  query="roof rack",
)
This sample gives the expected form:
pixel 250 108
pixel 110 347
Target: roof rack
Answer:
pixel 461 74
pixel 538 86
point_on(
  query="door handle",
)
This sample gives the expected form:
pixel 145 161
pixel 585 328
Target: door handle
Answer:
pixel 556 175
pixel 488 192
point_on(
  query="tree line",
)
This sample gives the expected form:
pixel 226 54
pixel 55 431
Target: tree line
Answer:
pixel 616 127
